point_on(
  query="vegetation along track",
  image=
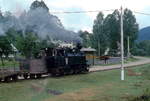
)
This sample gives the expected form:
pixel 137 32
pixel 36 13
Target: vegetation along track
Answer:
pixel 141 61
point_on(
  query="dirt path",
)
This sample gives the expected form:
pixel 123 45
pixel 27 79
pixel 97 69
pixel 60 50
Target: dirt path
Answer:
pixel 141 61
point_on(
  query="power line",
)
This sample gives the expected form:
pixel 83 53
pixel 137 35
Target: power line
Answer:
pixel 148 14
pixel 95 11
pixel 70 12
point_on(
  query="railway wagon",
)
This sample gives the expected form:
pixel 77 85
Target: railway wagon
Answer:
pixel 33 68
pixel 8 75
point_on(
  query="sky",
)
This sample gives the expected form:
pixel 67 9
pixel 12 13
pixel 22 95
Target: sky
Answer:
pixel 82 21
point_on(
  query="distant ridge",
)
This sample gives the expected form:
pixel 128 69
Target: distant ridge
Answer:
pixel 144 34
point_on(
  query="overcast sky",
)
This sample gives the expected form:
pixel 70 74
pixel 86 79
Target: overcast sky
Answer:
pixel 81 21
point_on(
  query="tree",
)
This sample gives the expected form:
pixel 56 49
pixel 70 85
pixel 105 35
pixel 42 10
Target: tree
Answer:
pixel 11 34
pixel 37 4
pixel 99 38
pixel 130 29
pixel 142 48
pixel 111 30
pixel 28 44
pixel 86 40
pixel 5 47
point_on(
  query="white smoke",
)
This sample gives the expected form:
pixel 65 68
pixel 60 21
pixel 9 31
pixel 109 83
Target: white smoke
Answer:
pixel 8 21
pixel 1 30
pixel 41 22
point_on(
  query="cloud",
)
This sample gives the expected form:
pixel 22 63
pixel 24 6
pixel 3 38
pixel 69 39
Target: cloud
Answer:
pixel 134 5
pixel 75 21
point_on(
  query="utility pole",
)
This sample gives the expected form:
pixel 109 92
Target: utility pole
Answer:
pixel 122 46
pixel 99 53
pixel 128 46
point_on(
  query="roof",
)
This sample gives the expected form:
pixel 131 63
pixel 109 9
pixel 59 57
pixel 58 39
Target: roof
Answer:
pixel 88 49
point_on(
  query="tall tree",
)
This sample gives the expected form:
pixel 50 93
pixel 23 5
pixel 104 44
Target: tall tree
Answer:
pixel 100 38
pixel 112 28
pixel 130 29
pixel 86 40
pixel 5 47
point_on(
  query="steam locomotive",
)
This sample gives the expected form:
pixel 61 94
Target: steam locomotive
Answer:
pixel 51 61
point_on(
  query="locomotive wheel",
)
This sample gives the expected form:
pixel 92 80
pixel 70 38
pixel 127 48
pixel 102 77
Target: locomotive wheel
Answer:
pixel 0 79
pixel 7 79
pixel 53 74
pixel 67 72
pixel 64 72
pixel 15 77
pixel 25 76
pixel 32 76
pixel 86 70
pixel 71 71
pixel 75 72
pixel 61 73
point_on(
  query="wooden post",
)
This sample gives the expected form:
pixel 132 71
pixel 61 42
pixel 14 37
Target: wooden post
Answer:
pixel 99 53
pixel 93 58
pixel 128 54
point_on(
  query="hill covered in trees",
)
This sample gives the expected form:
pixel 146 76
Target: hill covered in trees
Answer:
pixel 143 42
pixel 144 34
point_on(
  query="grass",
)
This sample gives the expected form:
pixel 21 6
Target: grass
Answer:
pixel 132 59
pixel 97 86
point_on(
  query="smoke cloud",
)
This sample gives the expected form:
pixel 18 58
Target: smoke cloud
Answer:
pixel 41 22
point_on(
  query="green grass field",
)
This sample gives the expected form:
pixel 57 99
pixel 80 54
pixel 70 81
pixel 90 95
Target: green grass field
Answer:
pixel 97 86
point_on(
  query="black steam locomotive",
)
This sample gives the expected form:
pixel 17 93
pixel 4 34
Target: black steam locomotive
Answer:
pixel 55 61
pixel 50 61
pixel 65 61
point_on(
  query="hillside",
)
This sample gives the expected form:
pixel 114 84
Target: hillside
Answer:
pixel 144 34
